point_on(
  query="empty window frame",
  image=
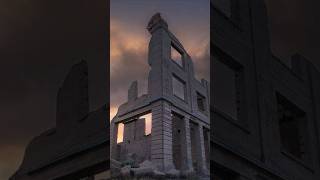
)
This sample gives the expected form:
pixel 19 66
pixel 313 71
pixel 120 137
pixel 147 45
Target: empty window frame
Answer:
pixel 179 87
pixel 148 123
pixel 292 124
pixel 176 55
pixel 201 102
pixel 227 86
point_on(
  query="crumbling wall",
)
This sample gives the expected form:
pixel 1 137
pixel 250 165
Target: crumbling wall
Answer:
pixel 135 143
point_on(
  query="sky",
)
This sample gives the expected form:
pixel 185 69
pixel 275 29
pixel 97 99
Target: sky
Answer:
pixel 40 40
pixel 189 20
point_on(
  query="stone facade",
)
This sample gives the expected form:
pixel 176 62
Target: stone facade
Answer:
pixel 78 147
pixel 175 99
pixel 268 128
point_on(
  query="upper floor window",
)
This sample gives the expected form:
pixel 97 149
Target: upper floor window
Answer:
pixel 176 56
pixel 292 124
pixel 201 101
pixel 178 86
pixel 226 87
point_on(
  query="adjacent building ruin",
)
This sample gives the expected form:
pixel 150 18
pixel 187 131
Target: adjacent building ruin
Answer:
pixel 265 113
pixel 176 105
pixel 78 147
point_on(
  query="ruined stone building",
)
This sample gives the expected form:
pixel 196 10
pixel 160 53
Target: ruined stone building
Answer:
pixel 176 105
pixel 78 147
pixel 266 114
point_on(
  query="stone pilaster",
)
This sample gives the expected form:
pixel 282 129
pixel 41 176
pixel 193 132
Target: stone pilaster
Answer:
pixel 161 136
pixel 188 144
pixel 204 168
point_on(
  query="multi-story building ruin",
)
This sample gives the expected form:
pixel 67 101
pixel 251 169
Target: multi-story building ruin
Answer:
pixel 177 107
pixel 265 113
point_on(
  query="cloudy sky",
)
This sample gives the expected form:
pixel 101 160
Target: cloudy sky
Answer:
pixel 189 20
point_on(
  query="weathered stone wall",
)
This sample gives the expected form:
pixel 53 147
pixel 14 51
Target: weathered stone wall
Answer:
pixel 135 142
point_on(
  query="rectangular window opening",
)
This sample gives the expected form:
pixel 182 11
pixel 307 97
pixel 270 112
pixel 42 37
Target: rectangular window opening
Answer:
pixel 291 127
pixel 176 56
pixel 120 133
pixel 227 87
pixel 201 101
pixel 148 123
pixel 178 88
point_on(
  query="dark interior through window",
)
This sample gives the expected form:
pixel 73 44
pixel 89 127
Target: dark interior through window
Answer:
pixel 291 127
pixel 201 101
pixel 226 87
